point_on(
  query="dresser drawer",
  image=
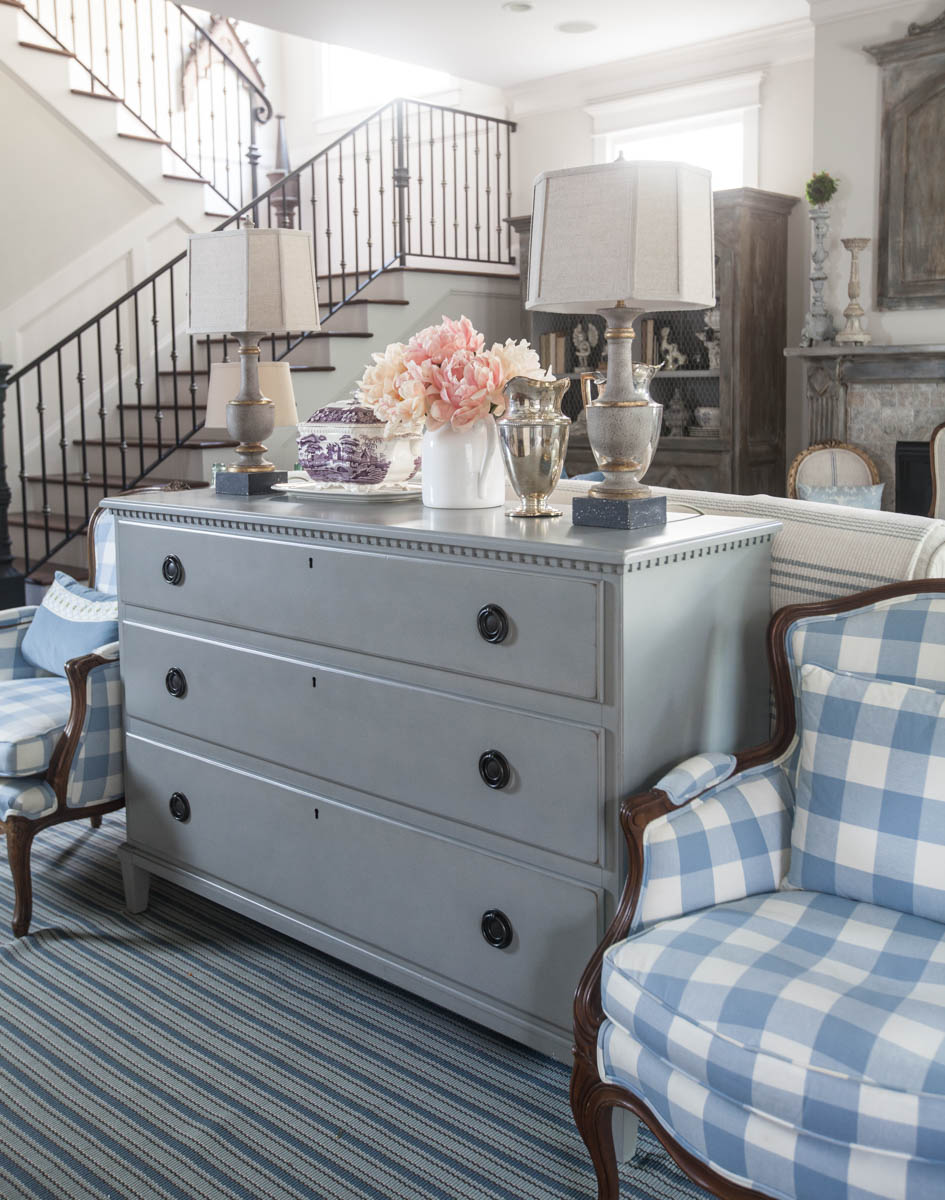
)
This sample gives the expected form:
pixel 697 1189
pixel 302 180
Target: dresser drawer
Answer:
pixel 416 897
pixel 428 613
pixel 534 779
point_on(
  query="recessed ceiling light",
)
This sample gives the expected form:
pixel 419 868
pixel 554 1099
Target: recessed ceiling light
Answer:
pixel 517 6
pixel 576 27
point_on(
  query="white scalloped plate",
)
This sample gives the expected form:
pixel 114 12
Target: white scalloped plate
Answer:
pixel 315 491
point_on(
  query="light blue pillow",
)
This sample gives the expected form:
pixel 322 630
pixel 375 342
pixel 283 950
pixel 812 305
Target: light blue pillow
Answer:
pixel 869 818
pixel 72 620
pixel 869 495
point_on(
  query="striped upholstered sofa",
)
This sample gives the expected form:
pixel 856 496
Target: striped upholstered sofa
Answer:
pixel 823 551
pixel 770 996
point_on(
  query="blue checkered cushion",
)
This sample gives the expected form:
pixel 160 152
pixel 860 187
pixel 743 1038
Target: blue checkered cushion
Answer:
pixel 14 623
pixel 106 565
pixel 870 795
pixel 97 771
pixel 733 841
pixel 795 1042
pixel 695 775
pixel 33 714
pixel 32 797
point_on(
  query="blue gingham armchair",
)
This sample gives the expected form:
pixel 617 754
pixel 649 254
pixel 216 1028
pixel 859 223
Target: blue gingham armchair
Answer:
pixel 781 1043
pixel 60 739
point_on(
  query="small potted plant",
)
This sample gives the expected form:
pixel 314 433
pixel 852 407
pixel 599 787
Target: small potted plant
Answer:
pixel 820 189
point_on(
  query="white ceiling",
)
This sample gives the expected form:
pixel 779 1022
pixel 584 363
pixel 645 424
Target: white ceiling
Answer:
pixel 479 40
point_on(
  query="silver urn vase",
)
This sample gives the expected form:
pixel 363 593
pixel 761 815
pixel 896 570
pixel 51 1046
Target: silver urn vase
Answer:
pixel 533 435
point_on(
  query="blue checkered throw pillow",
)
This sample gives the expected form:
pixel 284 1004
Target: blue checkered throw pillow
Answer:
pixel 72 620
pixel 869 821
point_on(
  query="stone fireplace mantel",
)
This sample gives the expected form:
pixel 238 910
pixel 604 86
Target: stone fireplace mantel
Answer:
pixel 872 396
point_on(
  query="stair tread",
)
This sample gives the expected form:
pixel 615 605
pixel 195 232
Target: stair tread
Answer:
pixel 36 520
pixel 184 408
pixel 93 95
pixel 61 50
pixel 149 443
pixel 44 575
pixel 185 178
pixel 98 482
pixel 143 137
pixel 185 373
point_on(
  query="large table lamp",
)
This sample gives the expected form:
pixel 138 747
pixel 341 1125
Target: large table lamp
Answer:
pixel 251 282
pixel 622 238
pixel 275 383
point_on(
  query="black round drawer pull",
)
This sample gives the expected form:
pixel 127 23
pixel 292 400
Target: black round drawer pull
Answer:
pixel 175 682
pixel 497 929
pixel 494 769
pixel 180 807
pixel 492 623
pixel 173 570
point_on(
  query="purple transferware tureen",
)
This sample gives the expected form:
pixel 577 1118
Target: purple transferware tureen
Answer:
pixel 344 444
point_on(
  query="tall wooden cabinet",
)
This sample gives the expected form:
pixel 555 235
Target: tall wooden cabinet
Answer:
pixel 746 455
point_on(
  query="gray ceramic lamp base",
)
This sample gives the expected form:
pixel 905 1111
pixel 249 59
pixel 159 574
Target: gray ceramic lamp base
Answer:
pixel 618 514
pixel 248 483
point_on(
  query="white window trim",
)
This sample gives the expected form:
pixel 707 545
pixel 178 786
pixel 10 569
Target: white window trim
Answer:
pixel 692 106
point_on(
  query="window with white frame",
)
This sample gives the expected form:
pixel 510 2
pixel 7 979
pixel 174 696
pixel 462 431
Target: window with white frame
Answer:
pixel 712 124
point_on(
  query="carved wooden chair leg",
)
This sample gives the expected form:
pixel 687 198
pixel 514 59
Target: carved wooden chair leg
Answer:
pixel 592 1105
pixel 96 821
pixel 19 841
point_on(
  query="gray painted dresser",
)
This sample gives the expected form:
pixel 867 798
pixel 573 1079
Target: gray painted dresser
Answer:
pixel 401 734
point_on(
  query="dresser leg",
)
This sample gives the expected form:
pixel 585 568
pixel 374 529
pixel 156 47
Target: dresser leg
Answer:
pixel 626 1127
pixel 137 883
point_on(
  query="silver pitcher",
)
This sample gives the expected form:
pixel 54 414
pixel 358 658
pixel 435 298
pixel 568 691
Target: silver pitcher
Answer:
pixel 533 435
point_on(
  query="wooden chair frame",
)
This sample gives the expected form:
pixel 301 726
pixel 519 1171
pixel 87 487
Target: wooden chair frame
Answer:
pixel 593 1099
pixel 20 831
pixel 799 458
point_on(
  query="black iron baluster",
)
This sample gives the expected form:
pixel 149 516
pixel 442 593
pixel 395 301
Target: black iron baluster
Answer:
pixel 370 198
pixel 139 382
pixel 488 199
pixel 102 411
pixel 108 48
pixel 196 49
pixel 252 154
pixel 401 176
pixel 331 303
pixel 213 117
pixel 63 440
pixel 508 191
pixel 121 392
pixel 138 57
pixel 192 385
pixel 354 171
pixel 159 413
pixel 182 57
pixel 432 193
pixel 443 178
pixel 476 160
pixel 314 203
pixel 84 447
pixel 176 394
pixel 341 223
pixel 167 63
pixel 12 584
pixel 24 485
pixel 43 474
pixel 381 189
pixel 121 40
pixel 226 128
pixel 88 6
pixel 455 195
pixel 239 146
pixel 419 179
pixel 466 178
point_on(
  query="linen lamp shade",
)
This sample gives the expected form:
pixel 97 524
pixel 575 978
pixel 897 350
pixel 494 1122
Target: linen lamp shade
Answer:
pixel 635 233
pixel 260 280
pixel 275 383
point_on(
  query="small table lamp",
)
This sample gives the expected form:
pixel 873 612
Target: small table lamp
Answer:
pixel 275 383
pixel 250 282
pixel 623 238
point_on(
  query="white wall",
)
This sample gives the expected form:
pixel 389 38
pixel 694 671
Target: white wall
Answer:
pixel 846 143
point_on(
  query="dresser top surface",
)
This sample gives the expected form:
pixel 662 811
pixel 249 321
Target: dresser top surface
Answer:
pixel 489 530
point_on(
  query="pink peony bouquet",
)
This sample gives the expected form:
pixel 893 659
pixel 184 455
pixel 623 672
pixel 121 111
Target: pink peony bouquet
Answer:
pixel 443 376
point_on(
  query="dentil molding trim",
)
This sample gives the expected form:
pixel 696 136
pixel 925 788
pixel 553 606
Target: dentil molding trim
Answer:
pixel 413 545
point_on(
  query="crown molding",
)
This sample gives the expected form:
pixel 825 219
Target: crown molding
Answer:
pixel 792 41
pixel 721 94
pixel 827 12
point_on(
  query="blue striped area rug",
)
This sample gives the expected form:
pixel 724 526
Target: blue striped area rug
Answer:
pixel 189 1053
